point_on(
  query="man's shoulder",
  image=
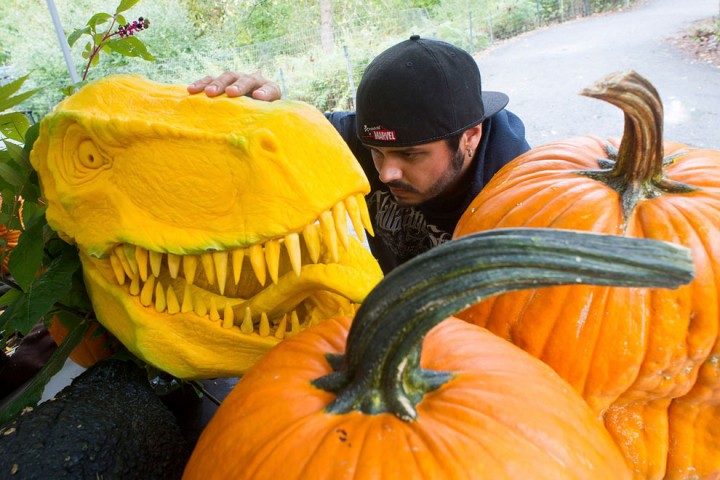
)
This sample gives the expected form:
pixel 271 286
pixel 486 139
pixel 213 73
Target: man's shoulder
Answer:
pixel 507 131
pixel 344 122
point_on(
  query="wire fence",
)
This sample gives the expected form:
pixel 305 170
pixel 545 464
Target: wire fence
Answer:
pixel 327 75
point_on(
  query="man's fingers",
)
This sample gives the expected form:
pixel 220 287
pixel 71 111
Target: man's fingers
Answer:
pixel 268 92
pixel 235 84
pixel 199 85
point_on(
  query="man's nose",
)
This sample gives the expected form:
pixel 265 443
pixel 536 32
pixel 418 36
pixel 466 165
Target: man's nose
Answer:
pixel 390 171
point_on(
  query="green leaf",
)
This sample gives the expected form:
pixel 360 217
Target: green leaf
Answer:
pixel 10 173
pixel 31 393
pixel 10 296
pixel 130 47
pixel 74 36
pixel 14 149
pixel 120 19
pixel 77 296
pixel 13 125
pixel 98 19
pixel 31 210
pixel 42 294
pixel 31 136
pixel 72 88
pixel 7 102
pixel 11 87
pixel 125 5
pixel 26 258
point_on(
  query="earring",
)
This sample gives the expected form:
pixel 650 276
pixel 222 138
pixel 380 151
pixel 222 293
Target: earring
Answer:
pixel 469 152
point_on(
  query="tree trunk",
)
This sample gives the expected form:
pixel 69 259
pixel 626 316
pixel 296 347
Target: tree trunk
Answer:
pixel 326 25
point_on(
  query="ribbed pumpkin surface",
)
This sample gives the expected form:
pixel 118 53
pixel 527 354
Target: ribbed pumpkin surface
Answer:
pixel 505 415
pixel 627 351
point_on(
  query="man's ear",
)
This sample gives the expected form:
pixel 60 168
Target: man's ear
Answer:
pixel 471 138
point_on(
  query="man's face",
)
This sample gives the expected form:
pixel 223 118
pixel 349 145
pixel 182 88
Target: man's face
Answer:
pixel 421 172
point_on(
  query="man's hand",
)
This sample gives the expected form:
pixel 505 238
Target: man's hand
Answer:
pixel 236 84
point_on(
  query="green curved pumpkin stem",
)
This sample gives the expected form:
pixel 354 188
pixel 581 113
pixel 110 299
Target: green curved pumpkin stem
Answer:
pixel 638 169
pixel 380 370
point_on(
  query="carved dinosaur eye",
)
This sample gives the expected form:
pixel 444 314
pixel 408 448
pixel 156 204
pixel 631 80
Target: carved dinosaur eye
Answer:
pixel 82 159
pixel 89 156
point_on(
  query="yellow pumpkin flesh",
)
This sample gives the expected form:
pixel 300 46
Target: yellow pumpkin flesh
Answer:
pixel 208 229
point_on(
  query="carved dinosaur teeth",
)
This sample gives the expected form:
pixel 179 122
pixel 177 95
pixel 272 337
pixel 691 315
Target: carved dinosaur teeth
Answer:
pixel 155 262
pixel 238 256
pixel 330 236
pixel 173 263
pixel 331 229
pixel 292 244
pixel 141 258
pixel 312 242
pixel 272 259
pixel 189 268
pixel 141 269
pixel 257 260
pixel 146 293
pixel 187 303
pixel 356 218
pixel 220 263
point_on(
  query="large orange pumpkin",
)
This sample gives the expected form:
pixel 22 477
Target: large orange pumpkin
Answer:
pixel 386 402
pixel 632 353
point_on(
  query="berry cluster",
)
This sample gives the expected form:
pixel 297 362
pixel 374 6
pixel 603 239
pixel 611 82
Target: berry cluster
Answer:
pixel 129 29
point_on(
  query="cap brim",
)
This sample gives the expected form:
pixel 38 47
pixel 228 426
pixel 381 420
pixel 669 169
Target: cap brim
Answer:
pixel 494 102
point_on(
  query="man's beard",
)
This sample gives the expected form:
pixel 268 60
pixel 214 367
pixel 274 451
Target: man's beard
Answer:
pixel 448 176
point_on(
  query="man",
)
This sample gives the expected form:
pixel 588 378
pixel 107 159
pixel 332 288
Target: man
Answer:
pixel 426 135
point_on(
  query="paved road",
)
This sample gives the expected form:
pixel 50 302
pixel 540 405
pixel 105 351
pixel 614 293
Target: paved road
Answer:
pixel 543 72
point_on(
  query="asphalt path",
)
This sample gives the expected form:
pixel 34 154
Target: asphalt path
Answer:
pixel 543 72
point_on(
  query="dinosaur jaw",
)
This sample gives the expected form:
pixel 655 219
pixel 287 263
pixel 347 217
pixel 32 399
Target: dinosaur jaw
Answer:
pixel 214 314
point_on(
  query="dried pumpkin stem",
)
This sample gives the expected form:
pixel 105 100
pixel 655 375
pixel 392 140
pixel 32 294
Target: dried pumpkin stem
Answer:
pixel 640 156
pixel 636 168
pixel 380 371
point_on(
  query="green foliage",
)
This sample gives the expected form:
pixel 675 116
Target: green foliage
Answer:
pixel 101 39
pixel 513 20
pixel 41 266
pixel 194 38
pixel 44 272
pixel 707 31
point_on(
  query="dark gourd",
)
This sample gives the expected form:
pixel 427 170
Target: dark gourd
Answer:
pixel 107 424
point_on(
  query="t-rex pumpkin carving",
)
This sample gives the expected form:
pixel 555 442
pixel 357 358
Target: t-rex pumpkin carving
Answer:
pixel 208 229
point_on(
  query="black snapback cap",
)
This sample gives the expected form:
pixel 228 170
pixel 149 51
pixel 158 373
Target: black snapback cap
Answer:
pixel 420 91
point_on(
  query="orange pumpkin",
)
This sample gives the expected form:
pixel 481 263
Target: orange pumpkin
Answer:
pixel 459 403
pixel 9 238
pixel 95 345
pixel 632 353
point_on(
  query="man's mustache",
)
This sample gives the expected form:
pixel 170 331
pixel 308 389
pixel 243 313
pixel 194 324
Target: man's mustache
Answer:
pixel 403 185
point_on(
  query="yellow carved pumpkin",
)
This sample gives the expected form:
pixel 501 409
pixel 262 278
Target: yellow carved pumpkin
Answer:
pixel 208 229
